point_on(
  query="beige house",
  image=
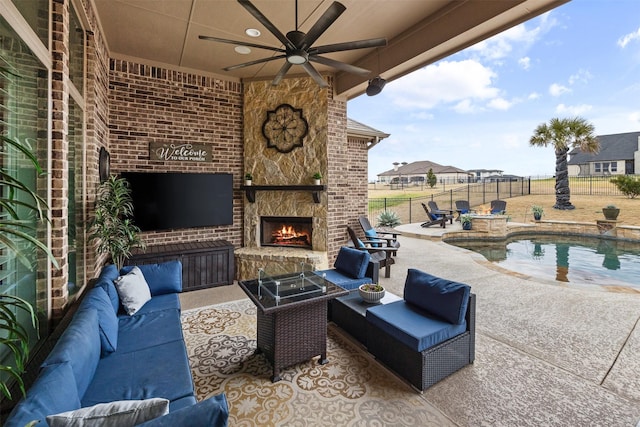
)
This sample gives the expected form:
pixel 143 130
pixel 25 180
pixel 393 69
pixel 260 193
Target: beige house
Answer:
pixel 415 173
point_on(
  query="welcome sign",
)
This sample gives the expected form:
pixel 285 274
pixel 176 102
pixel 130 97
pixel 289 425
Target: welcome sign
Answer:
pixel 179 152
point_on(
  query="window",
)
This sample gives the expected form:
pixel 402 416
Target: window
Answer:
pixel 598 167
pixel 23 118
pixel 614 167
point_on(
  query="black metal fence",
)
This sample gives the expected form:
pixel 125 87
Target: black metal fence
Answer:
pixel 410 209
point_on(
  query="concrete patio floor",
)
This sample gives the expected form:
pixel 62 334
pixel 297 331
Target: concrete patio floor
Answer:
pixel 546 354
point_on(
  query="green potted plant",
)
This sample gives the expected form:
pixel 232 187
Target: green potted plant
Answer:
pixel 248 178
pixel 611 212
pixel 371 292
pixel 388 219
pixel 316 178
pixel 465 220
pixel 538 211
pixel 17 239
pixel 112 224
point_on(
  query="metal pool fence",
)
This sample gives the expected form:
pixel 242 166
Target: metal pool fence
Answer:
pixel 410 209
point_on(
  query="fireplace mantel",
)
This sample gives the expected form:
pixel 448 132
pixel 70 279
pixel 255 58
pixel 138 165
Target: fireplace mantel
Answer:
pixel 250 190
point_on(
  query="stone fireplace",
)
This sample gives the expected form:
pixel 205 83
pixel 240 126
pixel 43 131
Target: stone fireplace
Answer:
pixel 290 232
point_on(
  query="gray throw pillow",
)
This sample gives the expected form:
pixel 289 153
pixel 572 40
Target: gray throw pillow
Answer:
pixel 121 413
pixel 133 290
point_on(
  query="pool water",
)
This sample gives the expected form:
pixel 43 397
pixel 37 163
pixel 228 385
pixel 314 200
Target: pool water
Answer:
pixel 575 260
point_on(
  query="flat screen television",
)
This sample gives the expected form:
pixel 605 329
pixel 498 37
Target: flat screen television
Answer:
pixel 164 201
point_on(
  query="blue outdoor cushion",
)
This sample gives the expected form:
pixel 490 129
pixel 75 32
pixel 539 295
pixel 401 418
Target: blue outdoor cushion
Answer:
pixel 158 303
pixel 372 237
pixel 110 289
pixel 352 262
pixel 163 278
pixel 438 296
pixel 107 319
pixel 134 330
pixel 160 371
pixel 345 282
pixel 79 345
pixel 412 326
pixel 53 391
pixel 211 412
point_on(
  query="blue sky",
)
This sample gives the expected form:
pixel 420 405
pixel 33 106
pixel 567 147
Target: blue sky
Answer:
pixel 477 109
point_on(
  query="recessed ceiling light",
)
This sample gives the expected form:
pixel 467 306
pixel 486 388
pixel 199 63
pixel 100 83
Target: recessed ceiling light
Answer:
pixel 252 32
pixel 243 50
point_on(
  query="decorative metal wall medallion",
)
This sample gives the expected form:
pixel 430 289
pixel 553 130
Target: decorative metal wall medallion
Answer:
pixel 285 128
pixel 104 160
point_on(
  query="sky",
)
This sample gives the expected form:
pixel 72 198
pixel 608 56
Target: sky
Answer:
pixel 477 109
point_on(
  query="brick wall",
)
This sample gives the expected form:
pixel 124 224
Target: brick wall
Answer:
pixel 152 104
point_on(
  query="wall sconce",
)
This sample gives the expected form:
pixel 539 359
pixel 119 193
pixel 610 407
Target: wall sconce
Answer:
pixel 375 86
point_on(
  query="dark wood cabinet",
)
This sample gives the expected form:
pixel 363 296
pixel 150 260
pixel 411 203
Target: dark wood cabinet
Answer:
pixel 204 264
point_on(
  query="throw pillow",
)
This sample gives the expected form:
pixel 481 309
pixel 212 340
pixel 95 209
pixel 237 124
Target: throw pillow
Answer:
pixel 352 262
pixel 133 290
pixel 372 237
pixel 121 413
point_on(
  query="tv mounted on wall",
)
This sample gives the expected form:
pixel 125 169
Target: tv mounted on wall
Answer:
pixel 164 201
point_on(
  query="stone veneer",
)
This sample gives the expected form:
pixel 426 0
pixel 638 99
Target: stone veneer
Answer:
pixel 271 167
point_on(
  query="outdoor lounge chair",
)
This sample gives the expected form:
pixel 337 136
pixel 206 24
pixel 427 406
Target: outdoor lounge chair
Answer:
pixel 433 218
pixel 446 213
pixel 498 206
pixel 387 238
pixel 382 255
pixel 462 207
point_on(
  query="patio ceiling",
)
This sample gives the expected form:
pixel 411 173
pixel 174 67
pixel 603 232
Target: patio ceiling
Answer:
pixel 419 32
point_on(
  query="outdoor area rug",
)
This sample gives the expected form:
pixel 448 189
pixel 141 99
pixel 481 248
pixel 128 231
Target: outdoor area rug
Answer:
pixel 351 390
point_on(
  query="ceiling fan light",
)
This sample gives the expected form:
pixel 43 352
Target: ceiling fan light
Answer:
pixel 297 57
pixel 375 86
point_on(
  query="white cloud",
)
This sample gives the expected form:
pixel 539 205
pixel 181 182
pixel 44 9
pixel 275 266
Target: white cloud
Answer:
pixel 628 38
pixel 465 107
pixel 634 117
pixel 442 83
pixel 525 62
pixel 534 95
pixel 582 76
pixel 518 38
pixel 499 104
pixel 573 110
pixel 557 89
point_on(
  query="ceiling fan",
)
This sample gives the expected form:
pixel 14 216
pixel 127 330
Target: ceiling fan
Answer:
pixel 298 48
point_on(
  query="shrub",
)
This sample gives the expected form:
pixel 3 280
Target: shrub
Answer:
pixel 388 219
pixel 628 185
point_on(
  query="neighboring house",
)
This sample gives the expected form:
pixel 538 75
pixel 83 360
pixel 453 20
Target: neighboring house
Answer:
pixel 416 173
pixel 619 155
pixel 482 174
pixel 501 178
pixel 361 132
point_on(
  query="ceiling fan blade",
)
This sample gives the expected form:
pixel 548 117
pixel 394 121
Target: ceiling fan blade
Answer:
pixel 265 21
pixel 281 73
pixel 339 65
pixel 257 61
pixel 358 44
pixel 328 17
pixel 315 74
pixel 236 42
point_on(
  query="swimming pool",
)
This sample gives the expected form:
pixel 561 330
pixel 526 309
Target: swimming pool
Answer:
pixel 577 260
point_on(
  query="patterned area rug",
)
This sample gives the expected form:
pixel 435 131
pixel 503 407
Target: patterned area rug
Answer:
pixel 351 390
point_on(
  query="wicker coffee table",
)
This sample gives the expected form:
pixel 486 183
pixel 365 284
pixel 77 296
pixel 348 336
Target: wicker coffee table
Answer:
pixel 292 317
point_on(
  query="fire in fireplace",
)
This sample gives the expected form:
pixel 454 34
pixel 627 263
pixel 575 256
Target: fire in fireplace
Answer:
pixel 286 231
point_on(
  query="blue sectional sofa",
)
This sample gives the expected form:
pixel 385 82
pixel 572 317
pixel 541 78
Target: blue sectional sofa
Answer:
pixel 122 352
pixel 429 334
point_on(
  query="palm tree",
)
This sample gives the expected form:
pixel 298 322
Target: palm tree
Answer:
pixel 565 134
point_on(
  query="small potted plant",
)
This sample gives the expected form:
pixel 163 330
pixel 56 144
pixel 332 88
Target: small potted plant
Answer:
pixel 538 211
pixel 371 292
pixel 611 212
pixel 248 178
pixel 316 178
pixel 465 220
